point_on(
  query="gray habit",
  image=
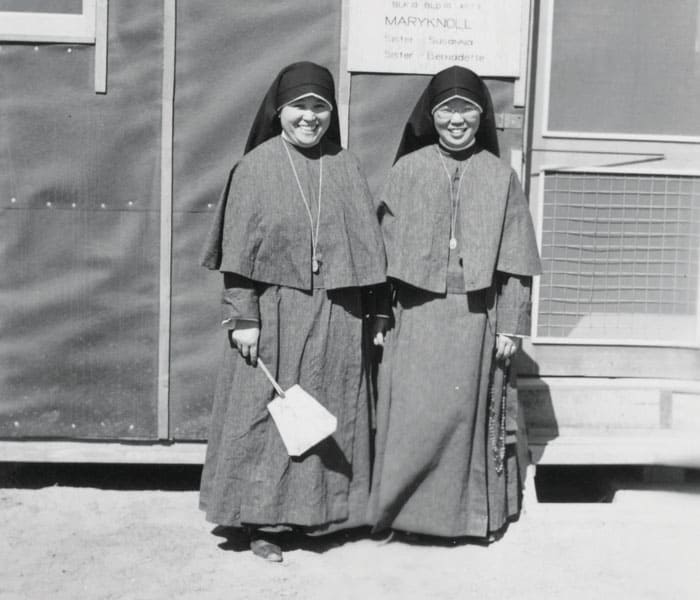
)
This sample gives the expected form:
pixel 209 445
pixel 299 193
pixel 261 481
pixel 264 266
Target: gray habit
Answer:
pixel 311 329
pixel 435 470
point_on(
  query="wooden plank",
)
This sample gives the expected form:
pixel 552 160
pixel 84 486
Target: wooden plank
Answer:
pixel 605 447
pixel 666 408
pixel 48 27
pixel 89 11
pixel 166 217
pixel 697 304
pixel 537 214
pixel 684 412
pixel 344 76
pixel 608 361
pixel 520 85
pixel 618 409
pixel 516 162
pixel 557 403
pixel 591 384
pixel 101 42
pixel 101 452
pixel 572 447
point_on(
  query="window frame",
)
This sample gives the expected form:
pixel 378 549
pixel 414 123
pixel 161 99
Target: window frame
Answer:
pixel 45 27
pixel 90 27
pixel 538 214
pixel 547 12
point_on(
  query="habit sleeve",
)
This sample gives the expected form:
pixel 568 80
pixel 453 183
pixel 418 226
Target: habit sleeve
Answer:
pixel 389 225
pixel 378 300
pixel 239 300
pixel 518 254
pixel 513 304
pixel 382 292
pixel 211 251
pixel 518 260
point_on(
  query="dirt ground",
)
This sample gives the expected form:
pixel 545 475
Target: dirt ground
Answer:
pixel 66 543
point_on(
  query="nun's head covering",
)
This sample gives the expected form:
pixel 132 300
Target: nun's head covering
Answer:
pixel 294 81
pixel 453 81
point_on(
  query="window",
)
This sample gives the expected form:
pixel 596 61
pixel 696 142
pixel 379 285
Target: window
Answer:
pixel 628 68
pixel 87 26
pixel 620 257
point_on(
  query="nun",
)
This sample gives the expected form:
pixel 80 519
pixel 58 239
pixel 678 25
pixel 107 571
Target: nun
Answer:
pixel 461 254
pixel 297 240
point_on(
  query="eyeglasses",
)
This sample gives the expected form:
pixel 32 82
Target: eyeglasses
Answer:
pixel 447 112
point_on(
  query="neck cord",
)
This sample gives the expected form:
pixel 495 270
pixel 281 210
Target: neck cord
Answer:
pixel 454 200
pixel 315 260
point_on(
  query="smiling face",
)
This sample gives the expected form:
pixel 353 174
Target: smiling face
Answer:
pixel 456 122
pixel 305 120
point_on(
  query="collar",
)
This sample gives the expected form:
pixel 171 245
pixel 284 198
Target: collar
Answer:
pixel 460 153
pixel 310 152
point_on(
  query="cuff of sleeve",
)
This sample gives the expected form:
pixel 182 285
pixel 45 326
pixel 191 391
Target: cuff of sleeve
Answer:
pixel 515 321
pixel 239 304
pixel 231 322
pixel 382 301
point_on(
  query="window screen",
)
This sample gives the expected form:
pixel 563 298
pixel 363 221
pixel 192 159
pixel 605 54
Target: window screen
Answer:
pixel 620 257
pixel 628 66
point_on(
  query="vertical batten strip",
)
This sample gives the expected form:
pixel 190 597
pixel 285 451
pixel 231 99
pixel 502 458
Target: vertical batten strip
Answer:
pixel 49 27
pixel 88 13
pixel 344 75
pixel 101 38
pixel 697 31
pixel 520 86
pixel 695 193
pixel 516 162
pixel 537 212
pixel 166 216
pixel 528 99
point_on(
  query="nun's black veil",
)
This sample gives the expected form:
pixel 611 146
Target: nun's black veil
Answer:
pixel 420 130
pixel 292 82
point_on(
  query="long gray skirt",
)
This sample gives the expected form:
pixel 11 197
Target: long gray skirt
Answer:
pixel 434 470
pixel 314 340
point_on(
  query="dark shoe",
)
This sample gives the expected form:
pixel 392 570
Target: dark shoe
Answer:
pixel 267 550
pixel 384 537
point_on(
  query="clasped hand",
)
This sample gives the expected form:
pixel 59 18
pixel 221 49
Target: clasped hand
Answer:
pixel 506 346
pixel 245 338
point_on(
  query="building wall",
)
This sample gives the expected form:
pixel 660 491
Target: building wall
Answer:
pixel 80 212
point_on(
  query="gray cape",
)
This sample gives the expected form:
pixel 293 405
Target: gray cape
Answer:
pixel 261 229
pixel 494 218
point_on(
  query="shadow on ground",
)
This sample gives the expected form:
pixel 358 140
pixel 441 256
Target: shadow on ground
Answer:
pixel 236 540
pixel 103 476
pixel 566 483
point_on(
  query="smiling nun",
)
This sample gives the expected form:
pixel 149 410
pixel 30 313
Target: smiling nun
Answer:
pixel 296 237
pixel 461 255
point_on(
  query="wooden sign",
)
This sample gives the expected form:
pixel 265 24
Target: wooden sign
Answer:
pixel 418 36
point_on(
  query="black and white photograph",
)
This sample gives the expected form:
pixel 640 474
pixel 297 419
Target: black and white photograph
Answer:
pixel 349 299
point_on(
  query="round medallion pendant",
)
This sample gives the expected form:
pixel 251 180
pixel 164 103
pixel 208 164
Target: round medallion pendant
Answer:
pixel 453 243
pixel 315 266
